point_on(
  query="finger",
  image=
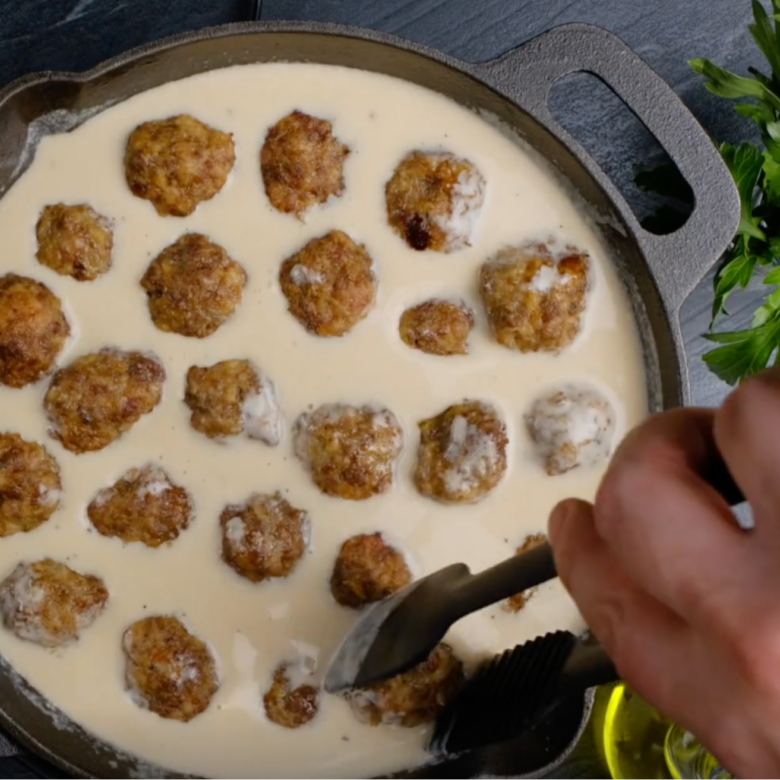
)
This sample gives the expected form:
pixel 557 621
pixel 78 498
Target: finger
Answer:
pixel 747 432
pixel 678 669
pixel 671 530
pixel 646 641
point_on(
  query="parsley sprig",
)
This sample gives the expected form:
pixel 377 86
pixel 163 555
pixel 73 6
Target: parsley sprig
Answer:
pixel 756 171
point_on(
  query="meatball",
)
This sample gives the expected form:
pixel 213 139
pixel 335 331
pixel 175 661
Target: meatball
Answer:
pixel 265 537
pixel 437 327
pixel 412 698
pixel 30 486
pixel 49 603
pixel 33 330
pixel 329 285
pixel 462 453
pixel 74 241
pixel 519 600
pixel 350 451
pixel 99 396
pixel 193 286
pixel 232 397
pixel 302 163
pixel 168 670
pixel 143 506
pixel 534 301
pixel 571 426
pixel 290 702
pixel 434 200
pixel 177 163
pixel 367 569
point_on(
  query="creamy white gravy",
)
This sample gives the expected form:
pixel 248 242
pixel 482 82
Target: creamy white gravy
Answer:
pixel 252 627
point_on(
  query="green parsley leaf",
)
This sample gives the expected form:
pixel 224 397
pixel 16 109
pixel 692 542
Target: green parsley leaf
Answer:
pixel 771 178
pixel 746 163
pixel 743 352
pixel 737 272
pixel 725 84
pixel 764 36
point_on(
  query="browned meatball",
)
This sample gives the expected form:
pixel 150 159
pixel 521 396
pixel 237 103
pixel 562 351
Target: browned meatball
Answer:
pixel 265 537
pixel 412 698
pixel 99 396
pixel 437 327
pixel 48 603
pixel 289 704
pixel 367 569
pixel 168 670
pixel 462 453
pixel 30 486
pixel 571 426
pixel 329 285
pixel 350 451
pixel 302 163
pixel 74 241
pixel 519 600
pixel 534 302
pixel 434 200
pixel 178 163
pixel 193 286
pixel 33 330
pixel 143 506
pixel 232 397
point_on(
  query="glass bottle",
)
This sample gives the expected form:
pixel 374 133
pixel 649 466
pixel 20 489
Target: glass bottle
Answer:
pixel 637 741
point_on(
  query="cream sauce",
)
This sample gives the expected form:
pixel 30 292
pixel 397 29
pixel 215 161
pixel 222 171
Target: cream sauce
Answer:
pixel 251 628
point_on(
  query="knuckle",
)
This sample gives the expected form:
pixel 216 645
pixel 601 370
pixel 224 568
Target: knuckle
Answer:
pixel 757 651
pixel 616 496
pixel 607 620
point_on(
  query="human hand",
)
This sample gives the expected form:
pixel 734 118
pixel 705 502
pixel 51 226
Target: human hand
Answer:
pixel 686 603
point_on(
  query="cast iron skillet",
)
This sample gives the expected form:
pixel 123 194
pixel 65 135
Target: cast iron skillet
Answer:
pixel 658 271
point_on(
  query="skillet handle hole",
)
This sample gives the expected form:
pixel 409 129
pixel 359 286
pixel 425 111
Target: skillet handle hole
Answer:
pixel 625 149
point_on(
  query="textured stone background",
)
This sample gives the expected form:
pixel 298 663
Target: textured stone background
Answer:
pixel 76 34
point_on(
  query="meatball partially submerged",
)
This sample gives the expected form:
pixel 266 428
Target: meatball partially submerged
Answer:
pixel 437 327
pixel 232 397
pixel 413 698
pixel 168 670
pixel 265 537
pixel 30 486
pixel 350 451
pixel 519 600
pixel 290 702
pixel 74 241
pixel 434 200
pixel 571 426
pixel 302 163
pixel 462 453
pixel 100 396
pixel 49 603
pixel 535 301
pixel 329 285
pixel 193 286
pixel 143 506
pixel 367 569
pixel 178 163
pixel 33 330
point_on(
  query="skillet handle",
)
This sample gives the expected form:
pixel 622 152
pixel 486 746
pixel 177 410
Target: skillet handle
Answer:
pixel 680 260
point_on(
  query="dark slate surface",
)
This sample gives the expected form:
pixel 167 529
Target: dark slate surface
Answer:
pixel 77 34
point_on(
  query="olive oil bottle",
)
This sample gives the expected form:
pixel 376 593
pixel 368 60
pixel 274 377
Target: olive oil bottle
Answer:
pixel 636 741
